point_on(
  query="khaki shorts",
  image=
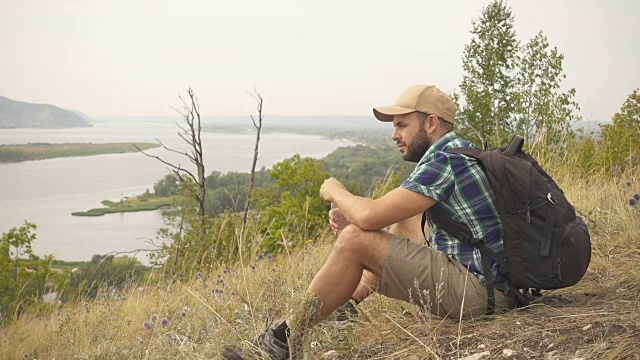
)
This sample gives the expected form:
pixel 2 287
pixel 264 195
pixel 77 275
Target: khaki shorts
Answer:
pixel 432 280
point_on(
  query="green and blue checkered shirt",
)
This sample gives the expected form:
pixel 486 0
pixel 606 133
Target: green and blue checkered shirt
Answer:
pixel 463 192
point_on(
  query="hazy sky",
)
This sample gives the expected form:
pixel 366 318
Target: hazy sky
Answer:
pixel 133 57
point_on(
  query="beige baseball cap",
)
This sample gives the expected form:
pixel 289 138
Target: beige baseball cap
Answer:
pixel 424 98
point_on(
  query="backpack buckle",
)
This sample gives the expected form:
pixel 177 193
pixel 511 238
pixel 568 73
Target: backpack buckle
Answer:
pixel 467 239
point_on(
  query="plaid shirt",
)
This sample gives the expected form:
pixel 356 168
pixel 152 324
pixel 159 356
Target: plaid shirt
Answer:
pixel 462 190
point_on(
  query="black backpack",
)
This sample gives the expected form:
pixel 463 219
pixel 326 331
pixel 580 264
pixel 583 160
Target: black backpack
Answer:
pixel 546 246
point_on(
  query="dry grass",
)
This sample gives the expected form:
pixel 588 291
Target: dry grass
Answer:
pixel 597 319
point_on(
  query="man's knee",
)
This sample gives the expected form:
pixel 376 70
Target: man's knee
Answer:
pixel 350 238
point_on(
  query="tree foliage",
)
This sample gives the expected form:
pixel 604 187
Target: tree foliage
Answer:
pixel 167 186
pixel 24 277
pixel 290 209
pixel 489 64
pixel 105 271
pixel 545 113
pixel 620 144
pixel 511 89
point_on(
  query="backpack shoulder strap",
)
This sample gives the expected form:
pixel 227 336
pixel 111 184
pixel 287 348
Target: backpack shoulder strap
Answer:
pixel 462 232
pixel 467 151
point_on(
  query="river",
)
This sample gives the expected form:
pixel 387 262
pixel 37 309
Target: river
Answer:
pixel 46 192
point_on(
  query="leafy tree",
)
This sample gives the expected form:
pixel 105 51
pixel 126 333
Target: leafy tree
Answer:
pixel 489 64
pixel 545 113
pixel 184 233
pixel 23 275
pixel 167 186
pixel 291 209
pixel 620 144
pixel 105 271
pixel 361 167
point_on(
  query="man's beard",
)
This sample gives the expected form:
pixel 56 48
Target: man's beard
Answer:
pixel 418 147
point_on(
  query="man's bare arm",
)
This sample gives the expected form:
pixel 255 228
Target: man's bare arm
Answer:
pixel 397 205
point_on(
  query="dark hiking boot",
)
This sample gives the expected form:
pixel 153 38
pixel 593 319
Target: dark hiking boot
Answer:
pixel 342 315
pixel 265 344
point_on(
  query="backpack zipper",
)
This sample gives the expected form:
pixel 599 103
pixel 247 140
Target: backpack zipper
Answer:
pixel 528 208
pixel 556 269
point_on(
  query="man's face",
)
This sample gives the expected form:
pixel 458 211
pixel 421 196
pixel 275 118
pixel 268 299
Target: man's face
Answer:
pixel 411 136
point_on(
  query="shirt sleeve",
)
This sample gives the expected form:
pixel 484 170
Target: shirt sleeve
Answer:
pixel 433 178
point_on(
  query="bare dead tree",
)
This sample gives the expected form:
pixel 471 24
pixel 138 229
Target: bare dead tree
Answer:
pixel 258 125
pixel 191 135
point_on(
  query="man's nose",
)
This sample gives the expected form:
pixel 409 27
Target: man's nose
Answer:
pixel 396 135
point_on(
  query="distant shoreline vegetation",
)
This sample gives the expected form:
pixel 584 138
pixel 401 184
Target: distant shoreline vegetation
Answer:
pixel 144 202
pixel 43 151
pixel 358 134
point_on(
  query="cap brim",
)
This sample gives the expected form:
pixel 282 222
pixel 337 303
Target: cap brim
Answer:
pixel 386 113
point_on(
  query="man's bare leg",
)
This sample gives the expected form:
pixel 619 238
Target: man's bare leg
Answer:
pixel 409 228
pixel 354 252
pixel 367 286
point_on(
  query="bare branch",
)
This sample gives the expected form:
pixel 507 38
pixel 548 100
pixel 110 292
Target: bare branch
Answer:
pixel 181 128
pixel 184 137
pixel 175 168
pixel 149 241
pixel 155 157
pixel 170 149
pixel 116 253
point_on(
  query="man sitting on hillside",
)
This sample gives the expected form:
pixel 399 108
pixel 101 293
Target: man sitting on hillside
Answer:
pixel 365 258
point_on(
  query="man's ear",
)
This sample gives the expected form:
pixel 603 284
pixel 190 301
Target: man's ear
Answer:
pixel 431 124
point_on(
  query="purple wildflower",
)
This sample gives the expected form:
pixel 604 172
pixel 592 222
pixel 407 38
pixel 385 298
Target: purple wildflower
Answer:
pixel 636 196
pixel 219 276
pixel 199 275
pixel 205 285
pixel 269 257
pixel 184 313
pixel 633 202
pixel 26 355
pixel 220 282
pixel 148 325
pixel 164 322
pixel 218 291
pixel 253 267
pixel 260 256
pixel 227 270
pixel 180 276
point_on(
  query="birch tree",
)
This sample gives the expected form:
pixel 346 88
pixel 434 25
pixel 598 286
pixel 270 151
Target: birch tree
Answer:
pixel 488 95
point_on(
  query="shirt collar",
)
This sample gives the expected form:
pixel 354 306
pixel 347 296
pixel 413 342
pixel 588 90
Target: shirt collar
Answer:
pixel 439 145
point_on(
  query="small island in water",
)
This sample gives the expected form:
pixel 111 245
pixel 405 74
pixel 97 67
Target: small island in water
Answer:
pixel 42 151
pixel 144 202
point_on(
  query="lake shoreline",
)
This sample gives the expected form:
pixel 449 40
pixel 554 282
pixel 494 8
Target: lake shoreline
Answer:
pixel 47 192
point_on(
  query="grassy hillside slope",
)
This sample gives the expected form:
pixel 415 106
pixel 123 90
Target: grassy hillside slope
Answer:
pixel 192 318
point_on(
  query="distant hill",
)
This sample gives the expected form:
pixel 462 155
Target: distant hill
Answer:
pixel 18 114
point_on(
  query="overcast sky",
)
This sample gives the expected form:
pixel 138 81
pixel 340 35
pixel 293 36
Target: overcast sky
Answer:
pixel 333 57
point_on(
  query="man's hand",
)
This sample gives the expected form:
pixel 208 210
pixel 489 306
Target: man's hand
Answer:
pixel 329 187
pixel 337 220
